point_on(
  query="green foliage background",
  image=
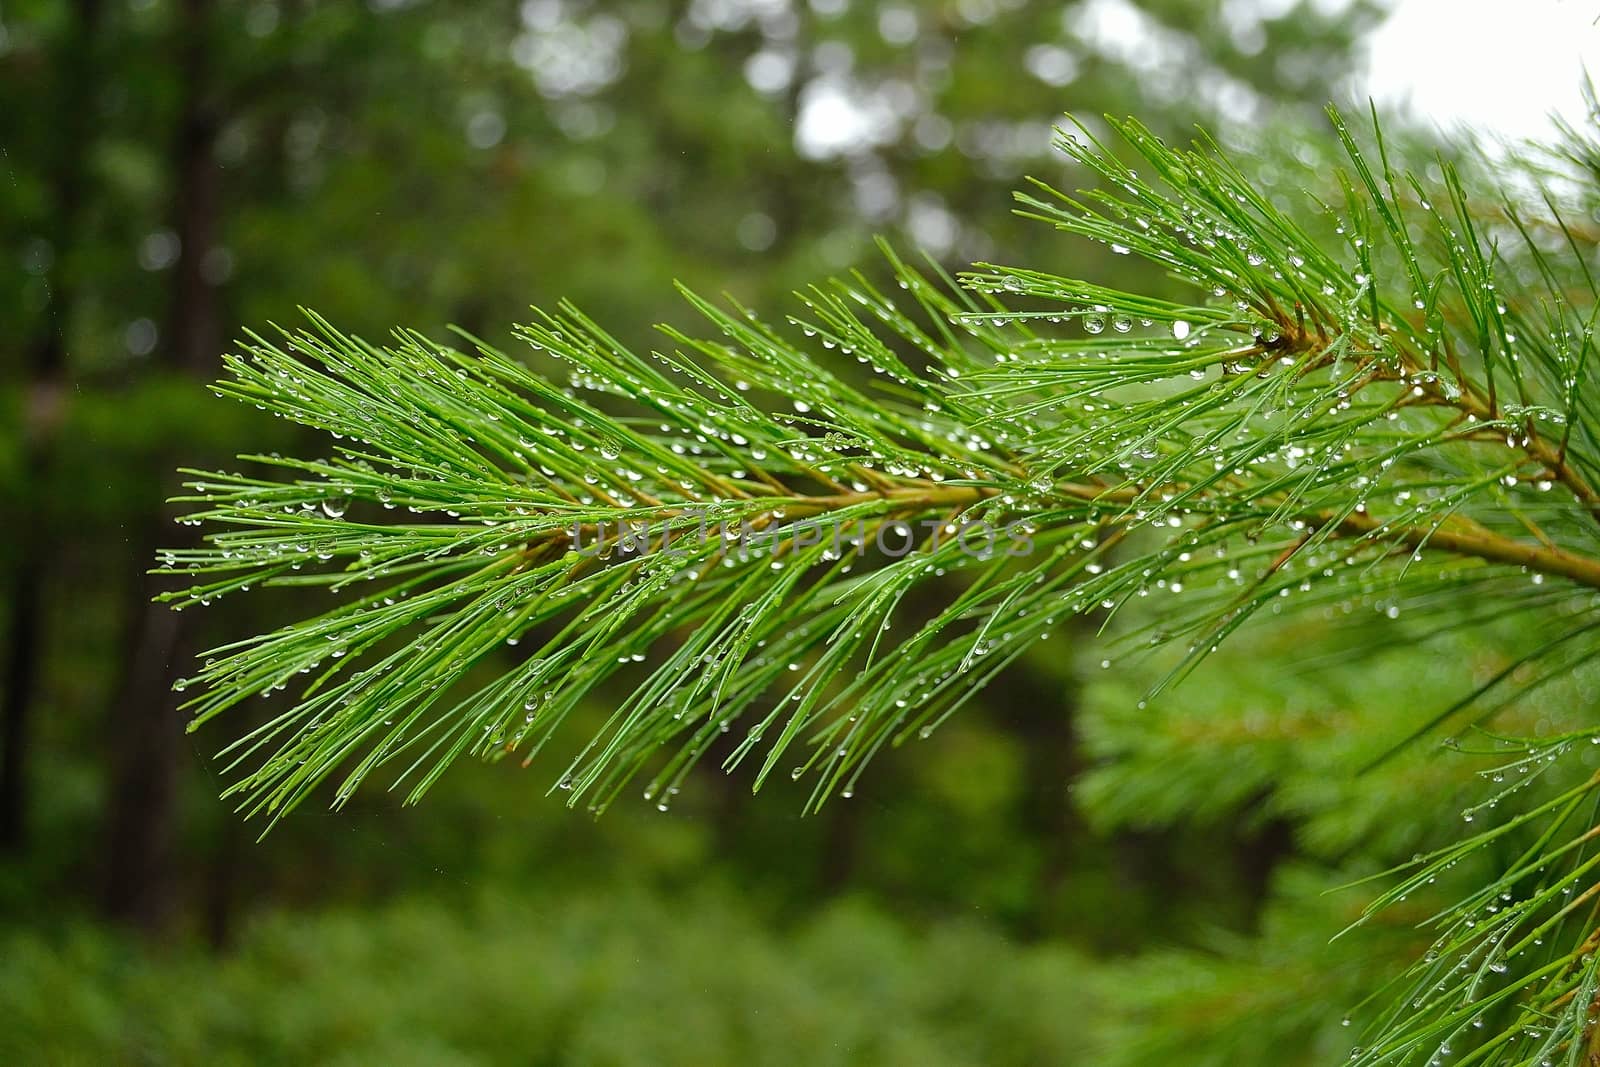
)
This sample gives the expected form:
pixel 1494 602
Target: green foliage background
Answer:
pixel 1058 875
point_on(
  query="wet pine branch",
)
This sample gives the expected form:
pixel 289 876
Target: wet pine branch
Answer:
pixel 1376 406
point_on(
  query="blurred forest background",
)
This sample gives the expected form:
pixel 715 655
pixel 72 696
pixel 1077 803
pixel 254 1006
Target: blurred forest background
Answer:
pixel 1052 879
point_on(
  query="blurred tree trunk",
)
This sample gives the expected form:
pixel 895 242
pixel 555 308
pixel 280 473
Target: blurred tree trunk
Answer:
pixel 25 604
pixel 141 817
pixel 221 880
pixel 75 69
pixel 1042 716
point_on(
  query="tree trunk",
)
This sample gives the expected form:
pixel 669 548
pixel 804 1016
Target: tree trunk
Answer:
pixel 74 68
pixel 147 738
pixel 1043 718
pixel 25 609
pixel 141 820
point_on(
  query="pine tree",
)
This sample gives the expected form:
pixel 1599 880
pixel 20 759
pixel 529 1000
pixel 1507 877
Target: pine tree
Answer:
pixel 1376 413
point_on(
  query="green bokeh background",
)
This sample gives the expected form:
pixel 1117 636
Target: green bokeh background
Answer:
pixel 1050 879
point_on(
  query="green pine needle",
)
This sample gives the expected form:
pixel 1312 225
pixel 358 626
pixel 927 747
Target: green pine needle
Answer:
pixel 1374 405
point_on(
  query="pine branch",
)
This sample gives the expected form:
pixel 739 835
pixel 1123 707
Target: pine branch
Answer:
pixel 1311 382
pixel 1385 405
